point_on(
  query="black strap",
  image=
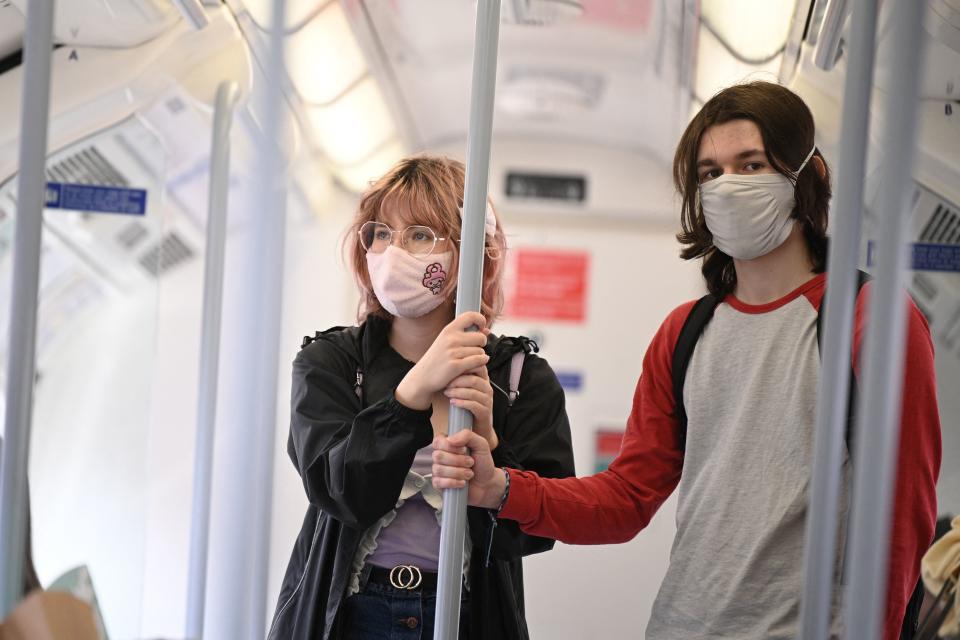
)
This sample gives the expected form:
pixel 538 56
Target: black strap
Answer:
pixel 700 315
pixel 862 279
pixel 911 617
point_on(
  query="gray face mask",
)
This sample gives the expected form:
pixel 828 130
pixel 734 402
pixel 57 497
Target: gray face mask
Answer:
pixel 749 215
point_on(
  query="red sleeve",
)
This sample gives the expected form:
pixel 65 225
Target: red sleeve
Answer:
pixel 918 463
pixel 613 506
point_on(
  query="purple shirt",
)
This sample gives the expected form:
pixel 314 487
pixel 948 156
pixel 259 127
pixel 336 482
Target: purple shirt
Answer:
pixel 413 535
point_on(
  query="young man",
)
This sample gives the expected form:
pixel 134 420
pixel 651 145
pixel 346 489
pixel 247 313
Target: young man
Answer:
pixel 755 195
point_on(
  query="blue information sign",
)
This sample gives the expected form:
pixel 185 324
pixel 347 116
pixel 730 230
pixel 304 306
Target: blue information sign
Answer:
pixel 85 197
pixel 936 257
pixel 570 380
pixel 927 257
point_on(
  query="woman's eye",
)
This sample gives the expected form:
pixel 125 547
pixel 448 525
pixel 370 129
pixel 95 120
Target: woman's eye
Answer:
pixel 382 235
pixel 420 236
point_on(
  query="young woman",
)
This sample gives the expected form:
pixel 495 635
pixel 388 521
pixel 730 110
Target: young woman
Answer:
pixel 737 440
pixel 368 401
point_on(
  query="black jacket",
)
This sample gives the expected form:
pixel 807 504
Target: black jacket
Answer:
pixel 353 456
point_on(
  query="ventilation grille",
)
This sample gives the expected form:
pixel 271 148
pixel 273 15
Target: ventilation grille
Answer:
pixel 943 227
pixel 171 251
pixel 542 12
pixel 86 166
pixel 132 235
pixel 925 286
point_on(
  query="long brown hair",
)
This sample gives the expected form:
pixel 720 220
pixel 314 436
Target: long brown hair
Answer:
pixel 427 190
pixel 786 126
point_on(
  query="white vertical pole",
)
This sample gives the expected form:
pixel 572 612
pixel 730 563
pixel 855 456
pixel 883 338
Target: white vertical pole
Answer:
pixel 820 552
pixel 878 424
pixel 469 285
pixel 31 187
pixel 219 190
pixel 236 596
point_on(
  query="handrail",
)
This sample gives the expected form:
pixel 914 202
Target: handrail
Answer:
pixel 833 393
pixel 21 364
pixel 239 562
pixel 878 424
pixel 828 39
pixel 228 94
pixel 193 12
pixel 469 283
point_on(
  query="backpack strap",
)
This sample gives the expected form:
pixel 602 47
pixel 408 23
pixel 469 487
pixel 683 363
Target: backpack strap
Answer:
pixel 693 326
pixel 358 384
pixel 862 279
pixel 516 368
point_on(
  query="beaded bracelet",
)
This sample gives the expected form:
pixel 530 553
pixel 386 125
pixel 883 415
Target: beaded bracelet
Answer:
pixel 506 492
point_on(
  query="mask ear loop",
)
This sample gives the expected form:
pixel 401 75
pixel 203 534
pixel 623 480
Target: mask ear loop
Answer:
pixel 489 221
pixel 803 164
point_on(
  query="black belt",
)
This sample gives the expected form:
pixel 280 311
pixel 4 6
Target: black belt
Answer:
pixel 403 577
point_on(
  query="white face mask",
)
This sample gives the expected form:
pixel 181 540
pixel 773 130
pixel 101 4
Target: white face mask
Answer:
pixel 408 286
pixel 749 215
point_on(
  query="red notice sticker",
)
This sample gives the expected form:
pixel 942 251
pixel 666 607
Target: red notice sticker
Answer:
pixel 549 284
pixel 607 447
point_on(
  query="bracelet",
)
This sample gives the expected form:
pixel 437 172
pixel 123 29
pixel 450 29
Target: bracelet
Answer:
pixel 506 493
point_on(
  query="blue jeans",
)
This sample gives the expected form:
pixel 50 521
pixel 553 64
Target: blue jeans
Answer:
pixel 381 612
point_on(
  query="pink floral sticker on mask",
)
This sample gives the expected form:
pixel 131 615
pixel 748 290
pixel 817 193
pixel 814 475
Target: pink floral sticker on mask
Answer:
pixel 434 277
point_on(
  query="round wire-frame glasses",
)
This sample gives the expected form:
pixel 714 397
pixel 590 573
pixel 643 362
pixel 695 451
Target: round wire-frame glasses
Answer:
pixel 417 239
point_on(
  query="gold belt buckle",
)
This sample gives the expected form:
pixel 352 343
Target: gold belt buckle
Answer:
pixel 405 576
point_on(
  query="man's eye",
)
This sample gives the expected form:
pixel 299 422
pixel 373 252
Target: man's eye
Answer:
pixel 710 175
pixel 754 166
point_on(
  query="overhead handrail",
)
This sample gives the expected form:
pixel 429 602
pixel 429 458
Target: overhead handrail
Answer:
pixel 228 94
pixel 193 12
pixel 21 363
pixel 469 286
pixel 829 36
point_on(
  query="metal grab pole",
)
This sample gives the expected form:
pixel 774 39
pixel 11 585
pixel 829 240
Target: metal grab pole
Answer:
pixel 31 186
pixel 821 527
pixel 878 424
pixel 470 281
pixel 243 484
pixel 271 230
pixel 219 190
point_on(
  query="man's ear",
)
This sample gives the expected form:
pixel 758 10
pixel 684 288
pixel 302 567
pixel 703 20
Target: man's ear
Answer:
pixel 819 166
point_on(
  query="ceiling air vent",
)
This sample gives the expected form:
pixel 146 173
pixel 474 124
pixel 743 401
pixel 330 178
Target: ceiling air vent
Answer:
pixel 171 251
pixel 541 12
pixel 923 285
pixel 943 227
pixel 86 166
pixel 132 235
